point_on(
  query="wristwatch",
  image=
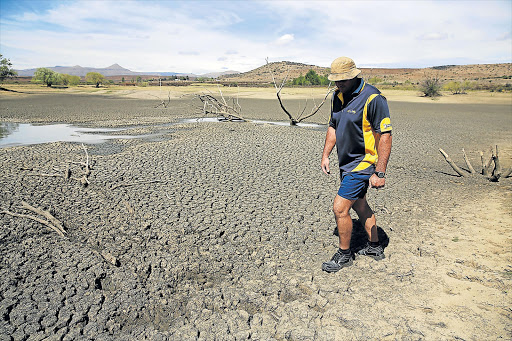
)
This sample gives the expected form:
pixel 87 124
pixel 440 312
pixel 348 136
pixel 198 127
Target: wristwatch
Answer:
pixel 380 174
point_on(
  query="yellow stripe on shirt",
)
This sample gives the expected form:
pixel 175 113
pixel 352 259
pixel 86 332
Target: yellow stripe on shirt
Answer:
pixel 371 156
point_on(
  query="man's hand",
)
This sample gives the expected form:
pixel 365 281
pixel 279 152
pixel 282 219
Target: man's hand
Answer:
pixel 376 182
pixel 325 165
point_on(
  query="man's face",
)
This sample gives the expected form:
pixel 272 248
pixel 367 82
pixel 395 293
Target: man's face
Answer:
pixel 347 86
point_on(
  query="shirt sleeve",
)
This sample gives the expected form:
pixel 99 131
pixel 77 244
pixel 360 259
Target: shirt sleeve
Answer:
pixel 378 115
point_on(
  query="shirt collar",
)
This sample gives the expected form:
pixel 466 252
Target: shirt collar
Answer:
pixel 359 88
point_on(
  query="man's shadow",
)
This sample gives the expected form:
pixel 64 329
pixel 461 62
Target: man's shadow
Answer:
pixel 360 237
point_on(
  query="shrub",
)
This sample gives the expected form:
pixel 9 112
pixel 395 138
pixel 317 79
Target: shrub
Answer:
pixel 375 80
pixel 431 87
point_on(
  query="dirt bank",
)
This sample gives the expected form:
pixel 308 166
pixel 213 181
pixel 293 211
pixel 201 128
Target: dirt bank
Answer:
pixel 220 229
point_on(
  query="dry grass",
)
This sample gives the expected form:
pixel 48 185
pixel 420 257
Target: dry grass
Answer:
pixel 317 93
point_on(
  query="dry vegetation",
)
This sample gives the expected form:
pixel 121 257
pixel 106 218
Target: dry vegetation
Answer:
pixel 483 74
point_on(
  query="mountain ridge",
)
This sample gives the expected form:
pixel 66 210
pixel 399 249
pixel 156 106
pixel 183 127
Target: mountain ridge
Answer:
pixel 116 70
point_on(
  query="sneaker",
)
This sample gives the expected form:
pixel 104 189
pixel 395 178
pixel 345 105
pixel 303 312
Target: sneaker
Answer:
pixel 376 252
pixel 337 262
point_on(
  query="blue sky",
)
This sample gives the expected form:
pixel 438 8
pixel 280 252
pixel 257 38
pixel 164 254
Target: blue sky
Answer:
pixel 210 36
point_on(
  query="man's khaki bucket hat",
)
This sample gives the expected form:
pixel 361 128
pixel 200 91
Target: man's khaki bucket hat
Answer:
pixel 343 68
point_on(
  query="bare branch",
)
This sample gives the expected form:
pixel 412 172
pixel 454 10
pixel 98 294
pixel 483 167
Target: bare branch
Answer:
pixel 451 163
pixel 299 118
pixel 45 214
pixel 470 167
pixel 163 103
pixel 315 109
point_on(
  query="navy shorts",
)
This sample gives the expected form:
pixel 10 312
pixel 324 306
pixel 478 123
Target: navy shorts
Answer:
pixel 354 185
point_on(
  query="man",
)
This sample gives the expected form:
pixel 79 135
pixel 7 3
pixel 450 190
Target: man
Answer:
pixel 360 128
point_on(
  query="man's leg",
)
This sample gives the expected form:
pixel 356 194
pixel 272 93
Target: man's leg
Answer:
pixel 367 218
pixel 341 208
pixel 343 257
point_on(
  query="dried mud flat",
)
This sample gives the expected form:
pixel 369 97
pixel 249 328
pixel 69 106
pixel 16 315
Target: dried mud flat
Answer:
pixel 219 230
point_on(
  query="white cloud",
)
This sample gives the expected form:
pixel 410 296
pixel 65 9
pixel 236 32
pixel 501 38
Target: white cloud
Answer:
pixel 433 36
pixel 285 39
pixel 206 36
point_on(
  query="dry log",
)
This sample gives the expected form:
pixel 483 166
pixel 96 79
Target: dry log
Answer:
pixel 39 220
pixel 451 163
pixel 484 167
pixel 468 164
pixel 497 166
pixel 489 163
pixel 108 257
pixel 45 214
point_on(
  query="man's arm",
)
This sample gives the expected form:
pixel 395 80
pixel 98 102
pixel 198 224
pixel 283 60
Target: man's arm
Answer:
pixel 384 142
pixel 330 142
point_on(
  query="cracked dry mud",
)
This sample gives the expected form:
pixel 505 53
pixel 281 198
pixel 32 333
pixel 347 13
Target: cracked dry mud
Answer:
pixel 228 245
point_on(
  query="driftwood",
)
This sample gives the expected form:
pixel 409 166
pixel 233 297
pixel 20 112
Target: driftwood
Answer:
pixel 451 163
pixel 300 117
pixel 66 173
pixel 491 169
pixel 211 105
pixel 496 173
pixel 468 164
pixel 51 222
pixel 107 257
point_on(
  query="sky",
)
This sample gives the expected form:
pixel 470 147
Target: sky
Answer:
pixel 214 36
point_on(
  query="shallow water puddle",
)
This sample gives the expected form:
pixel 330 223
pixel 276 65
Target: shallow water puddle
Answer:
pixel 278 123
pixel 22 134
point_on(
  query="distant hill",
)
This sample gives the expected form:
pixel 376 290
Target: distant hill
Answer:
pixel 77 70
pixel 495 73
pixel 280 69
pixel 116 70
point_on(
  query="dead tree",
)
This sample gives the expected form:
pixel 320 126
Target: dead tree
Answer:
pixel 490 169
pixel 300 117
pixel 221 108
pixel 164 103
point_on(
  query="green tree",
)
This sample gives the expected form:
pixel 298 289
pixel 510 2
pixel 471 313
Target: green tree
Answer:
pixel 69 80
pixel 95 78
pixel 312 77
pixel 139 79
pixel 45 76
pixel 6 70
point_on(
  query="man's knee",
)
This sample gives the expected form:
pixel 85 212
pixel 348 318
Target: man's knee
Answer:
pixel 341 207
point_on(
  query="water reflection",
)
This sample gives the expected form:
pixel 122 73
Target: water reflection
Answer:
pixel 16 134
pixel 7 128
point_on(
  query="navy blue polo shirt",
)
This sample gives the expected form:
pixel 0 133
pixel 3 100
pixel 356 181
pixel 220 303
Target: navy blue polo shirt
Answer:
pixel 357 120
